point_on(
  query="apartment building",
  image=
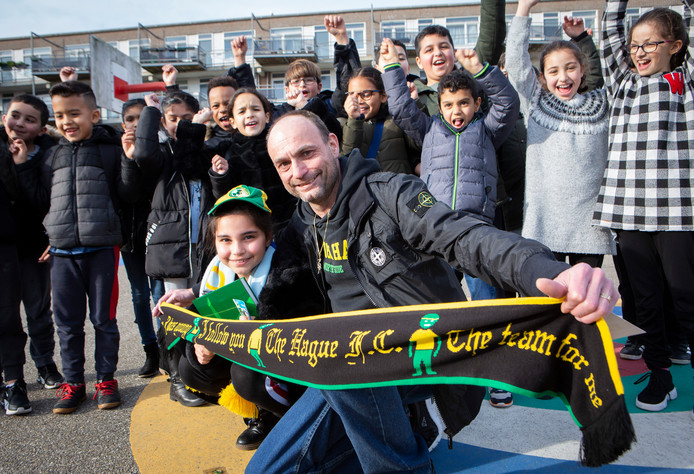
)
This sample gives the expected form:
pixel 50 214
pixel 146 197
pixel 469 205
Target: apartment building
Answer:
pixel 202 50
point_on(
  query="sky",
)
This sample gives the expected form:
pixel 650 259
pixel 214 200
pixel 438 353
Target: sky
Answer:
pixel 44 17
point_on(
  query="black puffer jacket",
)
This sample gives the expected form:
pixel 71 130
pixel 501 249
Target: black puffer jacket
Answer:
pixel 83 185
pixel 250 164
pixel 32 235
pixel 175 163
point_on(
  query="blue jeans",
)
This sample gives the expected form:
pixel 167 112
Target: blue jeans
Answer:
pixel 346 431
pixel 479 289
pixel 140 291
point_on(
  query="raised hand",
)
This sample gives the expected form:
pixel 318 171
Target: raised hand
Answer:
pixel 389 55
pixel 239 47
pixel 204 115
pixel 413 90
pixel 352 107
pixel 524 7
pixel 169 74
pixel 152 100
pixel 68 73
pixel 219 164
pixel 296 99
pixel 127 140
pixel 469 60
pixel 335 25
pixel 573 26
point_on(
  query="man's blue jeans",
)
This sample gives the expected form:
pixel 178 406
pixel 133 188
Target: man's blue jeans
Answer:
pixel 346 431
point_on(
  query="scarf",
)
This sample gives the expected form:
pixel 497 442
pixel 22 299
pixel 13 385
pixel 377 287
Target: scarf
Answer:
pixel 217 274
pixel 525 345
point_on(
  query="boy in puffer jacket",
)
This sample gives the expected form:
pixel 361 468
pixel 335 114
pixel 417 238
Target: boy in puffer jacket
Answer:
pixel 458 144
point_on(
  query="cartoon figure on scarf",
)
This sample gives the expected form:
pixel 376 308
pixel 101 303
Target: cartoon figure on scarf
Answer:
pixel 424 340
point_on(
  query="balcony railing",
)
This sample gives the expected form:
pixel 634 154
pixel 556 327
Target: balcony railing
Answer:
pixel 53 64
pixel 183 57
pixel 273 94
pixel 284 50
pixel 15 75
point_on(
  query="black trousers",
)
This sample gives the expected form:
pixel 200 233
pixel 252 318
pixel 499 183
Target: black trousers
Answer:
pixel 213 377
pixel 12 336
pixel 660 268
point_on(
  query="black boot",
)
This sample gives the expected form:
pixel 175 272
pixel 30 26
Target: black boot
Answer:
pixel 178 391
pixel 151 366
pixel 258 429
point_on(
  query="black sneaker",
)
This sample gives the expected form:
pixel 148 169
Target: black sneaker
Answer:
pixel 500 398
pixel 15 400
pixel 632 350
pixel 659 390
pixel 107 395
pixel 49 376
pixel 70 398
pixel 680 354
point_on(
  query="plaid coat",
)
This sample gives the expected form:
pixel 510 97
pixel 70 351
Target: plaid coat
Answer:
pixel 649 177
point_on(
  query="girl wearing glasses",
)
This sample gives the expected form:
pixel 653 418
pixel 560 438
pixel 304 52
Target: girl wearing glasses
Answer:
pixel 370 127
pixel 646 195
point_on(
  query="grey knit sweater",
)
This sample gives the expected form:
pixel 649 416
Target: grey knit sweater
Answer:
pixel 566 156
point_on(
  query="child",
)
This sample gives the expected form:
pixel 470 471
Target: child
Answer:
pixel 220 90
pixel 187 182
pixel 134 219
pixel 246 152
pixel 436 57
pixel 371 129
pixel 567 146
pixel 646 193
pixel 85 177
pixel 458 144
pixel 241 229
pixel 24 132
pixel 303 88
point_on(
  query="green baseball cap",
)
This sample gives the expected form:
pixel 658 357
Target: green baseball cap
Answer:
pixel 252 195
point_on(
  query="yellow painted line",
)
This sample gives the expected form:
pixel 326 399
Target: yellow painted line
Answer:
pixel 166 437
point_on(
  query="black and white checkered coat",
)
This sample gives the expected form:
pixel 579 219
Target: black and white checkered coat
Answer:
pixel 649 180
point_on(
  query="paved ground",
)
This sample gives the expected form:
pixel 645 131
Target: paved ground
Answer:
pixel 151 434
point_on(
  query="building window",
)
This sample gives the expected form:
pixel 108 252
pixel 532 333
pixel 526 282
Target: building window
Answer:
pixel 326 80
pixel 423 23
pixel 133 51
pixel 394 30
pixel 204 102
pixel 39 53
pixel 322 42
pixel 589 17
pixel 76 50
pixel 228 53
pixel 550 25
pixel 464 31
pixel 205 44
pixel 633 14
pixel 287 39
pixel 175 41
pixel 356 32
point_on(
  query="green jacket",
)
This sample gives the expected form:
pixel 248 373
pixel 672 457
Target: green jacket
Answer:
pixel 490 45
pixel 397 152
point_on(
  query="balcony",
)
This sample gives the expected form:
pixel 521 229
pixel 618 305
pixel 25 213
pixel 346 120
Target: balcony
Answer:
pixel 273 94
pixel 406 36
pixel 48 68
pixel 277 52
pixel 15 76
pixel 185 58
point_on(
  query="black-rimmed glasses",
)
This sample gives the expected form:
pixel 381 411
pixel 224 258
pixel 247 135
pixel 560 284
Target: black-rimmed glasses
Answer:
pixel 365 95
pixel 647 47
